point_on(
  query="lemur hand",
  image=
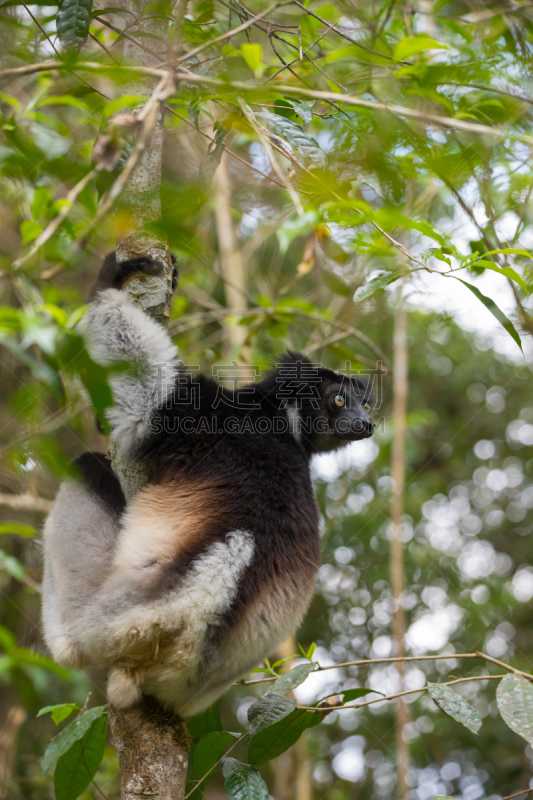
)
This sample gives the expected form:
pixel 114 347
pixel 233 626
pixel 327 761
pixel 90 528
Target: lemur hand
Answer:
pixel 113 273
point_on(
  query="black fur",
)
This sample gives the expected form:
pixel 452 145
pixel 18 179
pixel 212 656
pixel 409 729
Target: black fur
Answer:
pixel 96 473
pixel 245 467
pixel 112 273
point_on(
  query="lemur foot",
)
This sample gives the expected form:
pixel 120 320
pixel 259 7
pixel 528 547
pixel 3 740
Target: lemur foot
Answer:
pixel 67 654
pixel 123 690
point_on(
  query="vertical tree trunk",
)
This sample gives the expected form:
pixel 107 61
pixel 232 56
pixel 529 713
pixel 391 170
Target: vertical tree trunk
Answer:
pixel 231 264
pixel 12 717
pixel 152 745
pixel 292 774
pixel 397 575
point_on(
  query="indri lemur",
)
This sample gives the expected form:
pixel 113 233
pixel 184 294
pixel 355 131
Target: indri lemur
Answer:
pixel 188 586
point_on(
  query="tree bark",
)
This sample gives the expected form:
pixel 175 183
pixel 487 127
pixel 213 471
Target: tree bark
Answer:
pixel 152 745
pixel 231 264
pixel 292 771
pixel 397 575
pixel 153 749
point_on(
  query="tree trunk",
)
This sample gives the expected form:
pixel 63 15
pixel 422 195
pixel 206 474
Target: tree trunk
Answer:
pixel 397 576
pixel 152 745
pixel 231 264
pixel 153 750
pixel 292 773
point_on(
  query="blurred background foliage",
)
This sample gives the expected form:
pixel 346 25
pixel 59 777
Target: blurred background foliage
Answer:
pixel 372 193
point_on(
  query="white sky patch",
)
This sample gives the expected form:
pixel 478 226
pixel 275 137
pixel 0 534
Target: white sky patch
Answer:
pixel 446 295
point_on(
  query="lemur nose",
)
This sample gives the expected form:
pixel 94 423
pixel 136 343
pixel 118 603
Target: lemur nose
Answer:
pixel 368 425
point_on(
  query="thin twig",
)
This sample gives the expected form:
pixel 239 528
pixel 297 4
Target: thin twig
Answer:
pixel 26 502
pixel 344 35
pixel 516 794
pixel 402 111
pixel 230 152
pixel 505 666
pixel 132 39
pixel 229 34
pixel 233 746
pixel 402 694
pixel 54 224
pixel 273 161
pixel 299 56
pixel 369 661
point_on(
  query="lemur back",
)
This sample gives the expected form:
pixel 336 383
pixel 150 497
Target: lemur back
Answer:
pixel 189 585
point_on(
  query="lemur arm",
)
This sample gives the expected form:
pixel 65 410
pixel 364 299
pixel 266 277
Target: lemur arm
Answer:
pixel 116 331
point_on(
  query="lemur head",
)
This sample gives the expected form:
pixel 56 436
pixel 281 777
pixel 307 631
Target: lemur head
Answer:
pixel 325 409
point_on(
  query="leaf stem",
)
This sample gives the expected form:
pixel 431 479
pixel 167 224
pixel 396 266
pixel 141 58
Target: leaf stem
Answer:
pixel 233 746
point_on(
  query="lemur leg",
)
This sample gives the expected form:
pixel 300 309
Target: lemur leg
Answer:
pixel 79 541
pixel 55 629
pixel 117 331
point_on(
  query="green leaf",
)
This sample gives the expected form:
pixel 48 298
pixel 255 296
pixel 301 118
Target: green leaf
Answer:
pixel 252 54
pixel 411 45
pixel 65 100
pixel 202 724
pixel 72 23
pixel 355 694
pixel 27 531
pixel 514 697
pixel 290 680
pixel 40 202
pixel 455 706
pixel 267 710
pixel 127 101
pixel 304 109
pixel 59 712
pixel 294 227
pixel 7 639
pixel 508 250
pixel 29 230
pixel 369 288
pixel 209 750
pixel 495 311
pixel 295 135
pixel 12 566
pixel 71 733
pixel 242 781
pixel 78 766
pixel 508 272
pixel 269 742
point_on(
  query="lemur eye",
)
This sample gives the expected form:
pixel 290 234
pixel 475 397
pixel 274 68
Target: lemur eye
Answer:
pixel 339 400
pixel 366 408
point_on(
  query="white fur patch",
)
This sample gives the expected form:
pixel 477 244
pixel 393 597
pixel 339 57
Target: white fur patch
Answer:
pixel 205 591
pixel 295 422
pixel 117 331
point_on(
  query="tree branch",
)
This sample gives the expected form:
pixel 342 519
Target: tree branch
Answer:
pixel 450 123
pixel 26 502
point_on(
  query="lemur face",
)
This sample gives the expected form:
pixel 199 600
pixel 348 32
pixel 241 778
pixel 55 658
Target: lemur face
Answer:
pixel 342 415
pixel 348 406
